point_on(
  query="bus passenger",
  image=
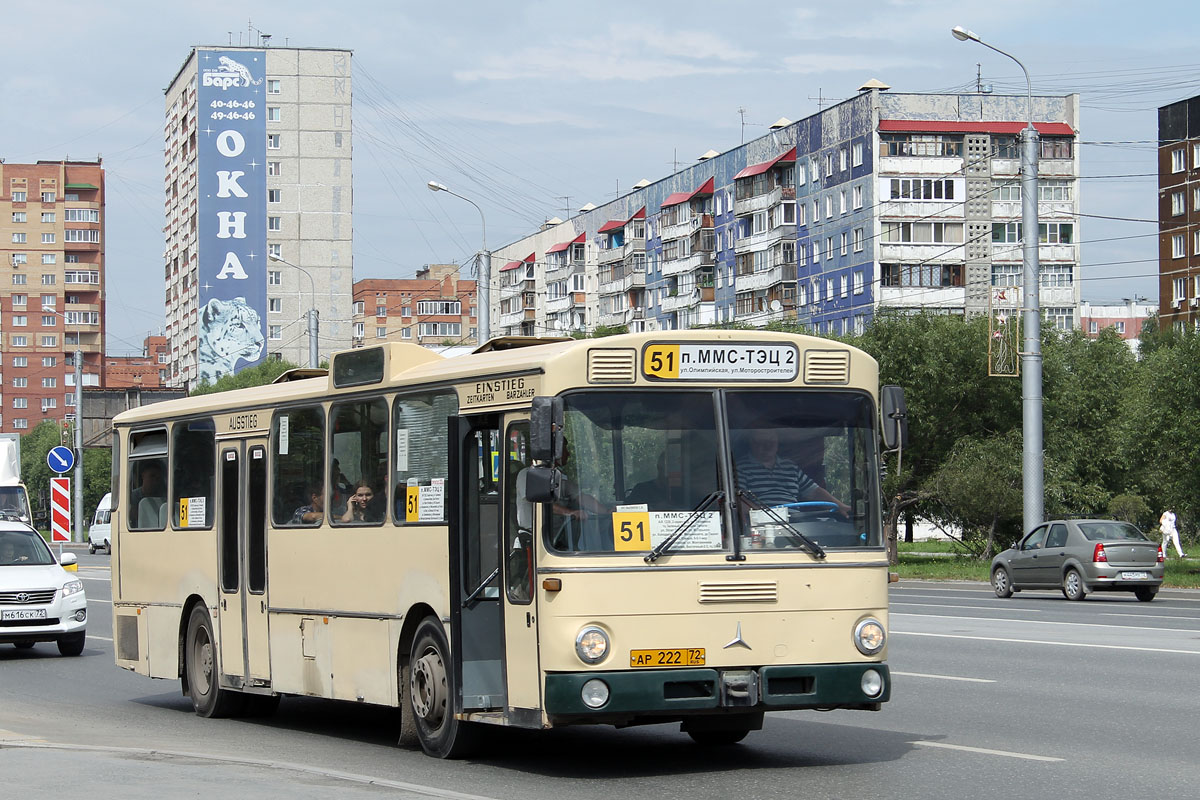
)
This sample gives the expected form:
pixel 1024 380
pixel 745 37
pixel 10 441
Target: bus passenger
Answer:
pixel 314 512
pixel 150 486
pixel 361 506
pixel 777 481
pixel 655 492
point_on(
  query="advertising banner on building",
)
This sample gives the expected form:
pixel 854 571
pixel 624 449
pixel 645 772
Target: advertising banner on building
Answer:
pixel 231 162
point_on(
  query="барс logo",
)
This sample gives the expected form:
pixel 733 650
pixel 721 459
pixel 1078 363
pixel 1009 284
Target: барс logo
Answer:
pixel 229 74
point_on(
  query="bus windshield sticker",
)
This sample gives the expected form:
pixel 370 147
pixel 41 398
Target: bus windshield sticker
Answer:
pixel 402 450
pixel 632 524
pixel 283 434
pixel 432 503
pixel 721 361
pixel 192 511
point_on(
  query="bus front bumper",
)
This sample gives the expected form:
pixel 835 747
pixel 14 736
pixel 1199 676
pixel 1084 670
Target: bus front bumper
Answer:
pixel 644 695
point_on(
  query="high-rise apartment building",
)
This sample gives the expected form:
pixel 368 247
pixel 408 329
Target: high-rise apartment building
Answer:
pixel 259 227
pixel 1179 213
pixel 52 299
pixel 435 309
pixel 884 201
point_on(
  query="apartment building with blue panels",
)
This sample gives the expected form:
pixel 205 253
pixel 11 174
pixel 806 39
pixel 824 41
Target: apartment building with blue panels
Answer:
pixel 884 201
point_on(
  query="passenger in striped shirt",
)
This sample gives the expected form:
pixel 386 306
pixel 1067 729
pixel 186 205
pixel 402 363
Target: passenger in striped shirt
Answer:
pixel 776 481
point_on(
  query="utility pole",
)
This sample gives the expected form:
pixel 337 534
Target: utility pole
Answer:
pixel 79 535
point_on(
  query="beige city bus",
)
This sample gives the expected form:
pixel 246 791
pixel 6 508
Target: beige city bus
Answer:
pixel 658 527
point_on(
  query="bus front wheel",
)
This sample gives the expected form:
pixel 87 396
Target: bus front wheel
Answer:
pixel 431 695
pixel 200 652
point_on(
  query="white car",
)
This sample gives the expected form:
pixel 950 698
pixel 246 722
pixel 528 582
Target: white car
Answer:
pixel 39 600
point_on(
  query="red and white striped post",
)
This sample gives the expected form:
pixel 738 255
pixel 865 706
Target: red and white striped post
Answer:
pixel 60 509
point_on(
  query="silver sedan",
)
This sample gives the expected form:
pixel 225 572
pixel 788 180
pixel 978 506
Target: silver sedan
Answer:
pixel 1081 556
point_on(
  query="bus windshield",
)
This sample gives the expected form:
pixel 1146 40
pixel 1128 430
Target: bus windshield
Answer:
pixel 636 465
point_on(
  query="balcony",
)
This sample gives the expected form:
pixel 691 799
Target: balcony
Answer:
pixel 762 241
pixel 517 317
pixel 924 209
pixel 681 266
pixel 1048 211
pixel 1006 251
pixel 914 253
pixel 922 296
pixel 681 301
pixel 783 273
pixel 759 202
pixel 923 165
pixel 685 228
pixel 513 290
pixel 559 271
pixel 557 305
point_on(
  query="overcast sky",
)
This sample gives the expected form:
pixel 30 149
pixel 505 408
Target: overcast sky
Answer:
pixel 534 109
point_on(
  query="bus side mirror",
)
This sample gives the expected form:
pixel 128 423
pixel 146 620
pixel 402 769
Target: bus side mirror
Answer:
pixel 541 484
pixel 545 429
pixel 894 412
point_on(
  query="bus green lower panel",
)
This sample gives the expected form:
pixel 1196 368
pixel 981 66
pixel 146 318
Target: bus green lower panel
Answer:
pixel 666 692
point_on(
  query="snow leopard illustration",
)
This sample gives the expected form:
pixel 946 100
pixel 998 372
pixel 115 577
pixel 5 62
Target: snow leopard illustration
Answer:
pixel 229 65
pixel 230 331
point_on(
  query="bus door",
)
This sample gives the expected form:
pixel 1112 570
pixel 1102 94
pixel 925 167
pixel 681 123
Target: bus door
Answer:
pixel 242 551
pixel 476 624
pixel 519 571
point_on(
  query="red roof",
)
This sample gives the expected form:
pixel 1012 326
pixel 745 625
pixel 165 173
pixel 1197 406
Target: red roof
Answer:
pixel 759 169
pixel 683 197
pixel 558 248
pixel 955 126
pixel 514 264
pixel 615 224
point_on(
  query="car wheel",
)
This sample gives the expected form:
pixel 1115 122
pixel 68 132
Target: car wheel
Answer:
pixel 200 652
pixel 108 548
pixel 23 645
pixel 91 549
pixel 72 644
pixel 1001 582
pixel 430 693
pixel 1145 593
pixel 1072 585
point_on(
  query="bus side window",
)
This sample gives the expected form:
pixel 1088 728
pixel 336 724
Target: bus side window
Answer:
pixel 421 460
pixel 518 517
pixel 358 481
pixel 298 492
pixel 193 463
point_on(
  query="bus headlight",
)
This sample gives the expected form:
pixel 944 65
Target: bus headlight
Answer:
pixel 871 683
pixel 591 645
pixel 594 693
pixel 869 636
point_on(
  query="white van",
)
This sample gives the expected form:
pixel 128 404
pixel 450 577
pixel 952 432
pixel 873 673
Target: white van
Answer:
pixel 99 532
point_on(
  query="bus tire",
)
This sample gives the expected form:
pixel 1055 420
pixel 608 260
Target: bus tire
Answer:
pixel 203 669
pixel 430 695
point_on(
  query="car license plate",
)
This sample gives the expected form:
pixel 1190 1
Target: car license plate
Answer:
pixel 1135 576
pixel 677 657
pixel 24 613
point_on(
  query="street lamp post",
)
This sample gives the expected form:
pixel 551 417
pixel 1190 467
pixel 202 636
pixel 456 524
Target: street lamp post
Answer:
pixel 314 358
pixel 483 285
pixel 78 500
pixel 1031 352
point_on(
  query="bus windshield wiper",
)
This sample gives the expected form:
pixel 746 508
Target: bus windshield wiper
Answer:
pixel 677 534
pixel 812 547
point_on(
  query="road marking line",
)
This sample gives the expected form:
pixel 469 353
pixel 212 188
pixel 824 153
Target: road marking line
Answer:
pixel 1049 622
pixel 976 608
pixel 98 580
pixel 1147 616
pixel 105 602
pixel 416 788
pixel 941 677
pixel 101 638
pixel 1163 593
pixel 1059 644
pixel 987 752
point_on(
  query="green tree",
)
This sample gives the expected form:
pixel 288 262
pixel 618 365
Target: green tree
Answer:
pixel 978 489
pixel 258 375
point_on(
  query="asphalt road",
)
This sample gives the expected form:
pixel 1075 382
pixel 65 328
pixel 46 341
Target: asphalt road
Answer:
pixel 1020 698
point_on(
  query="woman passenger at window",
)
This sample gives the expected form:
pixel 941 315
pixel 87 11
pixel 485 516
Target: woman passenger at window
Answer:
pixel 361 506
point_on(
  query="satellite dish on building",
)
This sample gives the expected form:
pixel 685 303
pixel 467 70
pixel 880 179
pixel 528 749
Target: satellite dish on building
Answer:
pixel 776 306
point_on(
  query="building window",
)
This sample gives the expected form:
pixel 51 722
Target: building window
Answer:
pixel 921 189
pixel 47 238
pixel 845 244
pixel 49 258
pixel 18 238
pixel 442 307
pixel 828 164
pixel 275 332
pixel 274 278
pixel 1178 289
pixel 1056 275
pixel 273 114
pixel 18 320
pixel 273 195
pixel 274 169
pixel 856 154
pixel 358 330
pixel 1177 248
pixel 19 216
pixel 47 197
pixel 1120 326
pixel 272 141
pixel 925 275
pixel 49 341
pixel 48 217
pixel 920 144
pixel 20 361
pixel 859 237
pixel 360 307
pixel 20 402
pixel 275 249
pixel 1178 205
pixel 274 223
pixel 406 333
pixel 273 86
pixel 49 361
pixel 49 383
pixel 18 280
pixel 20 423
pixel 87 235
pixel 80 215
pixel 1177 159
pixel 1058 147
pixel 49 280
pixel 1196 243
pixel 923 232
pixel 859 281
pixel 1062 319
pixel 842 159
pixel 858 197
pixel 842 207
pixel 20 383
pixel 49 402
pixel 1053 191
pixel 274 305
pixel 49 320
pixel 406 311
pixel 381 332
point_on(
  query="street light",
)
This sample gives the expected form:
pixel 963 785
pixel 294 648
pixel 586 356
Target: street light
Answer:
pixel 314 359
pixel 483 285
pixel 78 501
pixel 1031 352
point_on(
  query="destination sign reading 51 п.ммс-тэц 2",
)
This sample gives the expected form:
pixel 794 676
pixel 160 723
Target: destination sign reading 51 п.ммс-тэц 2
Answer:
pixel 721 362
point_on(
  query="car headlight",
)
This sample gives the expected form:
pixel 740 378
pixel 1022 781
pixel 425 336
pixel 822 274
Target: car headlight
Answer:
pixel 869 636
pixel 591 645
pixel 71 587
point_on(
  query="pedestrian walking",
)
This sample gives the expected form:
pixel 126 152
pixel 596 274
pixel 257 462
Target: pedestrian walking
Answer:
pixel 1166 524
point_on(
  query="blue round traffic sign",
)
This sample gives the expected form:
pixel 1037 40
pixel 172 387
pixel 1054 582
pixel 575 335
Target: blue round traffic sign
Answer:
pixel 60 459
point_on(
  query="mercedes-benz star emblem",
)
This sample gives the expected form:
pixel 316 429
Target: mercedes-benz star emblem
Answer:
pixel 737 640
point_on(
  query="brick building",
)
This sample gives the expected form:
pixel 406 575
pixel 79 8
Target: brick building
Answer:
pixel 434 308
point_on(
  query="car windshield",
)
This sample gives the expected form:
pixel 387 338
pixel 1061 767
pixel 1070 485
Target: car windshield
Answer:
pixel 14 503
pixel 637 465
pixel 1111 532
pixel 23 549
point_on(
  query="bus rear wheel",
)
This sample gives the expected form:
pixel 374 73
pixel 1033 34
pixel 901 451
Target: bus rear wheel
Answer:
pixel 431 695
pixel 200 654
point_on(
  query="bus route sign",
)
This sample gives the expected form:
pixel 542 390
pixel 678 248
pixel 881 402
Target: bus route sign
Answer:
pixel 720 361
